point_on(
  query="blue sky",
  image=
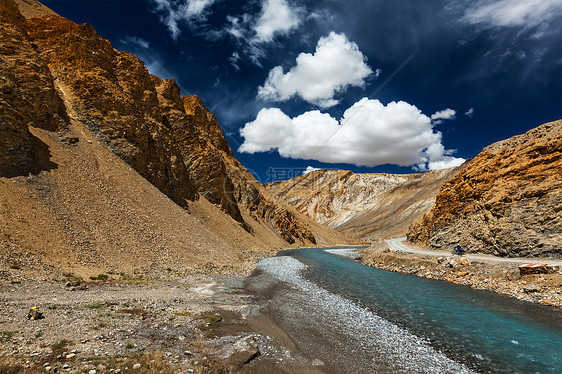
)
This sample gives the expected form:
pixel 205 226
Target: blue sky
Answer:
pixel 372 86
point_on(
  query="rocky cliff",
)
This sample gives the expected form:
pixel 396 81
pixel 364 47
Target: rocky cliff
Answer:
pixel 28 97
pixel 369 206
pixel 64 89
pixel 507 201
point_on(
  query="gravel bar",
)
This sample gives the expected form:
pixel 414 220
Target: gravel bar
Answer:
pixel 380 342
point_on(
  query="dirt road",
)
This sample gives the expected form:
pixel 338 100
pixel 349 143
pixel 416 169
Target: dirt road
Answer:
pixel 398 244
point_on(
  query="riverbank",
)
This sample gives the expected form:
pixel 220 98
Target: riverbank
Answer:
pixel 199 323
pixel 338 334
pixel 501 277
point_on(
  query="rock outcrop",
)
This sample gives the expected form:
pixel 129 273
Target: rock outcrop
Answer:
pixel 368 206
pixel 55 72
pixel 507 201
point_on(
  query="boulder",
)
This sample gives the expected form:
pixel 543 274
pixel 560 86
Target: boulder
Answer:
pixel 533 269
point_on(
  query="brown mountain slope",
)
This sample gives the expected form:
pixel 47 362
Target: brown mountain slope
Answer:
pixel 507 201
pixel 91 125
pixel 369 206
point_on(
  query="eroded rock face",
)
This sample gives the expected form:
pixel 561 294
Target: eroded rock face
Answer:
pixel 56 74
pixel 507 201
pixel 112 94
pixel 370 206
pixel 27 98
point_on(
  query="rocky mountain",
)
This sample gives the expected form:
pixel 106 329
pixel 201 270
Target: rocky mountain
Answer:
pixel 368 206
pixel 507 201
pixel 84 126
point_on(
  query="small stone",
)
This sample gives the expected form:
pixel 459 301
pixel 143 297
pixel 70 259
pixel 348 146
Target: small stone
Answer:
pixel 71 139
pixel 33 313
pixel 188 353
pixel 136 366
pixel 66 366
pixel 70 355
pixel 317 362
pixel 93 371
pixel 531 288
pixel 552 269
pixel 512 275
pixel 46 364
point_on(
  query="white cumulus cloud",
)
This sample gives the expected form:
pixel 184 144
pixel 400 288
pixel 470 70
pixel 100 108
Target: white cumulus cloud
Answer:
pixel 336 65
pixel 173 13
pixel 440 116
pixel 277 17
pixel 369 134
pixel 256 31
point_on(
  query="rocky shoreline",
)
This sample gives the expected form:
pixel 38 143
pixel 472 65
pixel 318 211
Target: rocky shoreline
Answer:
pixel 179 324
pixel 502 278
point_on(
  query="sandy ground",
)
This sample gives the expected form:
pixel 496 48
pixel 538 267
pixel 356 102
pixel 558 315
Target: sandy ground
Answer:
pixel 190 324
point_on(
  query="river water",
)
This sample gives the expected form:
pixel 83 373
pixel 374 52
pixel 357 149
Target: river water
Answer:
pixel 355 319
